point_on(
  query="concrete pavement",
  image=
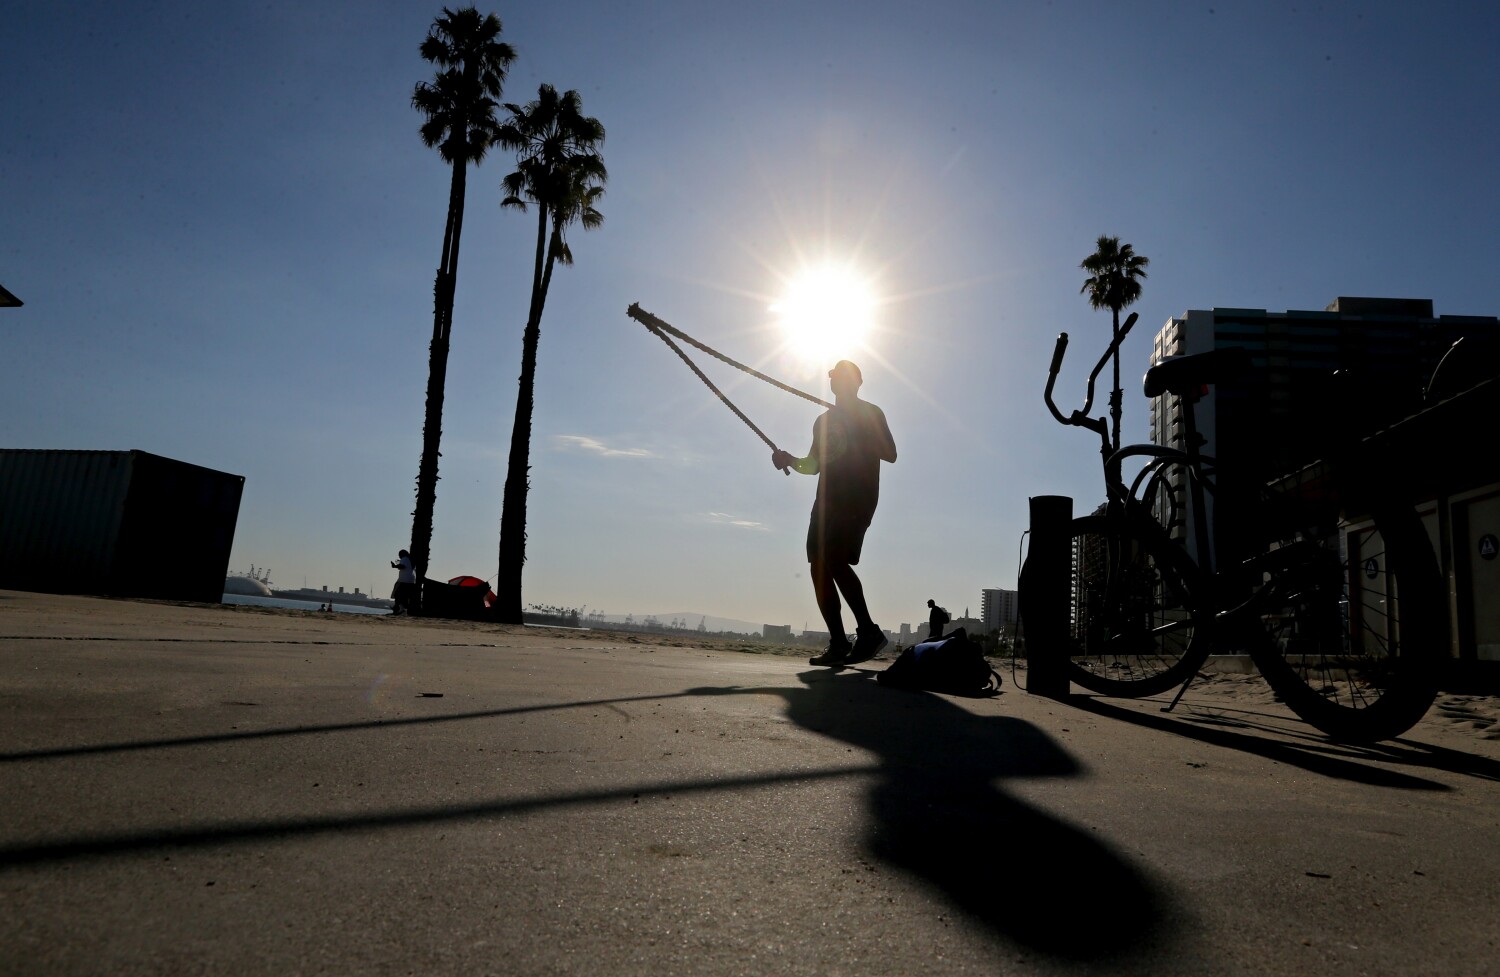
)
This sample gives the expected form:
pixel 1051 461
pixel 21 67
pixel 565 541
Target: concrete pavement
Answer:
pixel 226 791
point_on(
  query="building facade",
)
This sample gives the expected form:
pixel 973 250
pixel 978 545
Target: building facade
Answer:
pixel 998 609
pixel 1315 379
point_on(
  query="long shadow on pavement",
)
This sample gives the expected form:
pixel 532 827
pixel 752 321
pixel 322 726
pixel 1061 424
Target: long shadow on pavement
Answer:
pixel 204 739
pixel 1366 764
pixel 937 814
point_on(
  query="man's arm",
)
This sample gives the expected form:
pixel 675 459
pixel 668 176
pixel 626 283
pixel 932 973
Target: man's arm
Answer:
pixel 782 460
pixel 885 445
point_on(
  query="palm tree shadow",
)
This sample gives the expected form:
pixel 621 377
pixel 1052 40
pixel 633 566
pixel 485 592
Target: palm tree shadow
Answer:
pixel 938 815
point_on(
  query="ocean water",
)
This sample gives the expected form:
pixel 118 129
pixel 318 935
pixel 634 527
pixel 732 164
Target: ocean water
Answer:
pixel 298 605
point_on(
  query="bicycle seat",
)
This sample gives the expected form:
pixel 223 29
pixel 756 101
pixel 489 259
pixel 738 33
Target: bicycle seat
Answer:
pixel 1183 375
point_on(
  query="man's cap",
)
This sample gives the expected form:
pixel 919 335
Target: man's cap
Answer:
pixel 847 365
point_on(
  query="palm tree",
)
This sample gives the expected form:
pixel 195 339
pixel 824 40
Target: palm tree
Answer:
pixel 560 171
pixel 1114 271
pixel 459 105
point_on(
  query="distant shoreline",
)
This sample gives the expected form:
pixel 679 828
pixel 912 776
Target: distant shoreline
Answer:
pixel 323 596
pixel 297 604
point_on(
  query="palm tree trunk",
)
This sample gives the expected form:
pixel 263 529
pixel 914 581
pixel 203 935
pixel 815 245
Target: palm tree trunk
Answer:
pixel 1115 406
pixel 508 605
pixel 437 374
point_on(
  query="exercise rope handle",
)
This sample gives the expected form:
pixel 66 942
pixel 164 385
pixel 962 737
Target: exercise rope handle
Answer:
pixel 661 330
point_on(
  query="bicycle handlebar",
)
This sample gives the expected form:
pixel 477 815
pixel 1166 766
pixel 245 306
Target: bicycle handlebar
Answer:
pixel 1057 358
pixel 1114 347
pixel 1057 354
pixel 1080 418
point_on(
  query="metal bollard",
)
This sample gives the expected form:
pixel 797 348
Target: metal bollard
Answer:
pixel 1046 581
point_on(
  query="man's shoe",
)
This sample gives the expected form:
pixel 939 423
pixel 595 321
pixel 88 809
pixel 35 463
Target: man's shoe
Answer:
pixel 867 644
pixel 835 655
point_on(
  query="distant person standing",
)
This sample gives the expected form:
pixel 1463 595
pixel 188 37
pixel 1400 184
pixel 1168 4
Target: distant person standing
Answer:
pixel 849 442
pixel 406 584
pixel 937 620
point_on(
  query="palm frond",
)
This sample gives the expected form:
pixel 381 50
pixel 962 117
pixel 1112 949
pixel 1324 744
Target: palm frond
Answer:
pixel 558 165
pixel 460 102
pixel 1115 271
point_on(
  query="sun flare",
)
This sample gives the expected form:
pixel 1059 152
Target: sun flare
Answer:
pixel 826 314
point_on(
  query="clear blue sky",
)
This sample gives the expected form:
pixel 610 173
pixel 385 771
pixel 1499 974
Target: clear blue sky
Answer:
pixel 225 228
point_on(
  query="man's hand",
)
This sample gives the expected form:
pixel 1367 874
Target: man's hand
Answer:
pixel 783 460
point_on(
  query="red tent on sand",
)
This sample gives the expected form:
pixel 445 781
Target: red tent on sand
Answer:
pixel 468 581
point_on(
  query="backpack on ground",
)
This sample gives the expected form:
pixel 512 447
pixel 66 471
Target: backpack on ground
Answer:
pixel 953 665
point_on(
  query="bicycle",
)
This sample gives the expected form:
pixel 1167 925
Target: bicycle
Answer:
pixel 1340 607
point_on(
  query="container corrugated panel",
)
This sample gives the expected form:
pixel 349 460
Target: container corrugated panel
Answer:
pixel 125 523
pixel 60 514
pixel 177 530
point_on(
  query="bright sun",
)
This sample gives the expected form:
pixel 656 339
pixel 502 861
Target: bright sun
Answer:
pixel 826 313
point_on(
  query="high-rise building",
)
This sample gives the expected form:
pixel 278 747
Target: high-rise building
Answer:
pixel 1289 406
pixel 997 609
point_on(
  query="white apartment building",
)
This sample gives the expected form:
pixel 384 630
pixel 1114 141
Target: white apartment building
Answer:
pixel 997 609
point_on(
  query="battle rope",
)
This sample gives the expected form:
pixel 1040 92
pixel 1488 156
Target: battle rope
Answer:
pixel 661 330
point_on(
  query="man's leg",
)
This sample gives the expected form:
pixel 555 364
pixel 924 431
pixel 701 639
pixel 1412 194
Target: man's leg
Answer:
pixel 849 585
pixel 833 615
pixel 868 639
pixel 824 579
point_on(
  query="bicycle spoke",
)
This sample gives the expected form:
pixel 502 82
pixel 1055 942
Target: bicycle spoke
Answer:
pixel 1132 630
pixel 1354 627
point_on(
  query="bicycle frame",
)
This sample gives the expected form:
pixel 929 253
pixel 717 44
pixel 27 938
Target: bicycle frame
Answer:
pixel 1127 503
pixel 1358 669
pixel 1118 495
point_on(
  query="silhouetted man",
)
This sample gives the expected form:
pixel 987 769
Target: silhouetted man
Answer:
pixel 937 619
pixel 404 595
pixel 849 443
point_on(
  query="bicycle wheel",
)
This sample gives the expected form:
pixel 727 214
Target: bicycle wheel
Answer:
pixel 1355 624
pixel 1136 628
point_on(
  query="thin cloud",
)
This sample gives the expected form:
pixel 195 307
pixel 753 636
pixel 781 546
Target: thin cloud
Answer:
pixel 578 442
pixel 725 519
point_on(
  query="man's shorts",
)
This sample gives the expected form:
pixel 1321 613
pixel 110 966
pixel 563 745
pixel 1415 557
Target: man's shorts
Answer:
pixel 836 536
